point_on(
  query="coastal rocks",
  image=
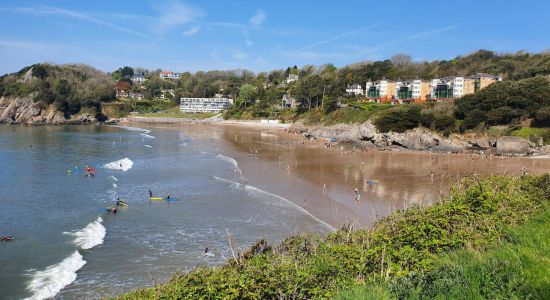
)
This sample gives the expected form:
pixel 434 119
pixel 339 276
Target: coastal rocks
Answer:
pixel 367 136
pixel 25 111
pixel 513 145
pixel 418 139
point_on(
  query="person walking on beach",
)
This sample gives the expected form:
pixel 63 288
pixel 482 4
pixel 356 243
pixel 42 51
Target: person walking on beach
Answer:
pixel 357 195
pixel 324 187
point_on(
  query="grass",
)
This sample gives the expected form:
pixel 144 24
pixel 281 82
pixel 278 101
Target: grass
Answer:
pixel 516 268
pixel 533 134
pixel 475 216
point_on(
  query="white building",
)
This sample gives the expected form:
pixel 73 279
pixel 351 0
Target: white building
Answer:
pixel 204 105
pixel 292 78
pixel 138 78
pixel 416 88
pixel 354 89
pixel 458 87
pixel 169 75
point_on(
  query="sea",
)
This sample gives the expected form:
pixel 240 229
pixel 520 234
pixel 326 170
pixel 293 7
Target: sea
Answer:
pixel 68 246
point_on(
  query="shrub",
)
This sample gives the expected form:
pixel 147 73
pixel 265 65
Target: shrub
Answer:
pixel 398 119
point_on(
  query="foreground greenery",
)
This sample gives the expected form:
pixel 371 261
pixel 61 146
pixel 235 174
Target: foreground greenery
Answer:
pixel 516 268
pixel 475 215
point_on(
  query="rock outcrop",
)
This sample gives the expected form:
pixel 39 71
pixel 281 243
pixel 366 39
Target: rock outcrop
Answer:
pixel 418 139
pixel 27 112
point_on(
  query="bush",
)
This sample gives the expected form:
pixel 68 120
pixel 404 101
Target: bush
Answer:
pixel 439 122
pixel 476 214
pixel 542 117
pixel 398 119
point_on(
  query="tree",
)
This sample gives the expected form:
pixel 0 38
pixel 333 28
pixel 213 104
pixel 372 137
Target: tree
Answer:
pixel 39 71
pixel 401 59
pixel 247 93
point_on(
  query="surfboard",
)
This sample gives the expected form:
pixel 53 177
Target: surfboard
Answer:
pixel 156 198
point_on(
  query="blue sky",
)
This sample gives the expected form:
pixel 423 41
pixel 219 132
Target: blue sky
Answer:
pixel 261 35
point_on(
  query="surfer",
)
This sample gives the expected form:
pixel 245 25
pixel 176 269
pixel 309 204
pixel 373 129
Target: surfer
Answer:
pixel 120 202
pixel 112 209
pixel 6 238
pixel 150 194
pixel 168 197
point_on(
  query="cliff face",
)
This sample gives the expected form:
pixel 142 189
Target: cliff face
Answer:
pixel 25 111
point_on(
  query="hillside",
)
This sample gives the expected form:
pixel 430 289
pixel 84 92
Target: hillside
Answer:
pixel 52 94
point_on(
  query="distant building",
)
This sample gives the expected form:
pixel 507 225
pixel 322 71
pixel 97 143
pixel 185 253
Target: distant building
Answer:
pixel 292 78
pixel 139 78
pixel 205 105
pixel 169 75
pixel 288 101
pixel 354 89
pixel 381 90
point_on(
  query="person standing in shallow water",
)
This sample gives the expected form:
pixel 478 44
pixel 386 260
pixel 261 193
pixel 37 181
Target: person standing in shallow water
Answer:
pixel 357 195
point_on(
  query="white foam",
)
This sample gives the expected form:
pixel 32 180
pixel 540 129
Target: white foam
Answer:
pixel 250 188
pixel 133 128
pixel 148 146
pixel 113 178
pixel 114 185
pixel 233 162
pixel 148 136
pixel 124 164
pixel 48 282
pixel 89 236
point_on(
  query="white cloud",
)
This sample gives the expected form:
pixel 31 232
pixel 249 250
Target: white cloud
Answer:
pixel 247 39
pixel 430 32
pixel 334 38
pixel 173 14
pixel 192 30
pixel 239 55
pixel 258 19
pixel 50 10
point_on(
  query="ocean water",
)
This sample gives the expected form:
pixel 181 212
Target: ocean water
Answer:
pixel 66 246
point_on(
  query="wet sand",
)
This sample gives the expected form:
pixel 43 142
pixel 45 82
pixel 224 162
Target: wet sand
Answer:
pixel 288 166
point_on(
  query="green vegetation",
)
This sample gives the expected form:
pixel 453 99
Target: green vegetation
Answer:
pixel 506 102
pixel 476 215
pixel 516 268
pixel 69 87
pixel 533 134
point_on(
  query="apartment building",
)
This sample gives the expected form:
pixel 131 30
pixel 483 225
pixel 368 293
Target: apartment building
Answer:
pixel 381 90
pixel 205 105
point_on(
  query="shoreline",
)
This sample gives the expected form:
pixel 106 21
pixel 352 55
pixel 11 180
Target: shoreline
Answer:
pixel 297 169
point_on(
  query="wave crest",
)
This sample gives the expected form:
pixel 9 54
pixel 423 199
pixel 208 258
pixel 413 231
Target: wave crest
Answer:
pixel 48 282
pixel 89 236
pixel 124 164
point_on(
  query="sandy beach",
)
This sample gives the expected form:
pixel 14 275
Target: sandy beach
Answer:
pixel 323 180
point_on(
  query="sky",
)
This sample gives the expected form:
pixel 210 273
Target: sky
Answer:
pixel 261 35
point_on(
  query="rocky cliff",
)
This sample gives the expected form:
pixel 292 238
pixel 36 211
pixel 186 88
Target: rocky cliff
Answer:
pixel 25 111
pixel 419 139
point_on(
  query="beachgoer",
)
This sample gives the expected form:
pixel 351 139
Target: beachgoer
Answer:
pixel 206 250
pixel 324 187
pixel 356 194
pixel 432 175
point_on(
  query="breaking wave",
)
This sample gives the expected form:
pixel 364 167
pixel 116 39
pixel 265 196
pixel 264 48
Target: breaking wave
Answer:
pixel 89 236
pixel 251 189
pixel 133 128
pixel 47 283
pixel 233 162
pixel 148 136
pixel 124 164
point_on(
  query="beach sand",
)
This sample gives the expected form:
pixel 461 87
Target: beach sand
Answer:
pixel 285 164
